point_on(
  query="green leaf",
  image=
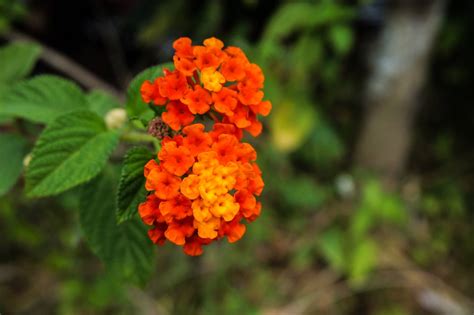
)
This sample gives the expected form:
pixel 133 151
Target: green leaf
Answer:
pixel 324 149
pixel 341 38
pixel 363 261
pixel 17 60
pixel 303 65
pixel 71 150
pixel 135 105
pixel 332 247
pixel 296 16
pixel 12 152
pixel 100 102
pixel 42 99
pixel 126 248
pixel 382 204
pixel 301 192
pixel 362 222
pixel 131 190
pixel 4 119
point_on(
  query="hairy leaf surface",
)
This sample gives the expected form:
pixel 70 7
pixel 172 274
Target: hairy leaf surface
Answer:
pixel 131 190
pixel 71 150
pixel 42 99
pixel 125 248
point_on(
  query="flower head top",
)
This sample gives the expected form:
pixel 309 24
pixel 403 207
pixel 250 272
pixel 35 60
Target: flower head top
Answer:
pixel 209 79
pixel 204 185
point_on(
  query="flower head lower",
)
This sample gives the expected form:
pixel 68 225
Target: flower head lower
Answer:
pixel 203 187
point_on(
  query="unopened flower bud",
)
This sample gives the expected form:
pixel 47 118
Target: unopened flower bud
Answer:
pixel 158 128
pixel 116 118
pixel 27 160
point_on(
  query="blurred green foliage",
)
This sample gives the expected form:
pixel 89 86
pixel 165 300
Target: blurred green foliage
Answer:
pixel 10 10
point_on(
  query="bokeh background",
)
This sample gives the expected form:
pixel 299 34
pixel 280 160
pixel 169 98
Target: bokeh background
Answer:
pixel 367 158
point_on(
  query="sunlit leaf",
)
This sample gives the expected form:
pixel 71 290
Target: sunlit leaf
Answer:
pixel 291 124
pixel 363 260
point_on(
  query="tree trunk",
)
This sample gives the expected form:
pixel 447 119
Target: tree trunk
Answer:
pixel 398 70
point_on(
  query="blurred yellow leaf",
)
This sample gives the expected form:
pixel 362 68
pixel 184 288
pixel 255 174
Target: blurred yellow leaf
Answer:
pixel 291 123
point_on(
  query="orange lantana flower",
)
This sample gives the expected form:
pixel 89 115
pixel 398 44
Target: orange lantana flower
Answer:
pixel 204 185
pixel 174 159
pixel 198 100
pixel 177 115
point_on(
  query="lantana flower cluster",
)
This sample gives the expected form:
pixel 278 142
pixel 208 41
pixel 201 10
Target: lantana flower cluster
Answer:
pixel 203 184
pixel 209 80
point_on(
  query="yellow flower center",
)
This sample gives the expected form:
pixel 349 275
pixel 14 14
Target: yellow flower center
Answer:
pixel 209 187
pixel 212 79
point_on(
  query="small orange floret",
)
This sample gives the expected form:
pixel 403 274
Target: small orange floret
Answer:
pixel 150 166
pixel 236 52
pixel 262 108
pixel 150 93
pixel 148 210
pixel 177 115
pixel 176 208
pixel 165 185
pixel 225 101
pixel 245 153
pixel 157 235
pixel 174 159
pixel 183 47
pixel 254 76
pixel 234 231
pixel 241 117
pixel 198 100
pixel 184 65
pixel 178 231
pixel 225 147
pixel 255 127
pixel 193 248
pixel 214 43
pixel 196 140
pixel 205 58
pixel 190 187
pixel 234 69
pixel 173 85
pixel 220 128
pixel 249 94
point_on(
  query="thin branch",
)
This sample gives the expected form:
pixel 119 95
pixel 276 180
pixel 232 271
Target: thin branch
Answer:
pixel 66 65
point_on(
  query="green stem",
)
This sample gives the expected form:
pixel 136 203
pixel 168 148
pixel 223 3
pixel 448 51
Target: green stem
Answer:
pixel 137 137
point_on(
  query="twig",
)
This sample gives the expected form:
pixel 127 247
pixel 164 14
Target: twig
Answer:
pixel 64 64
